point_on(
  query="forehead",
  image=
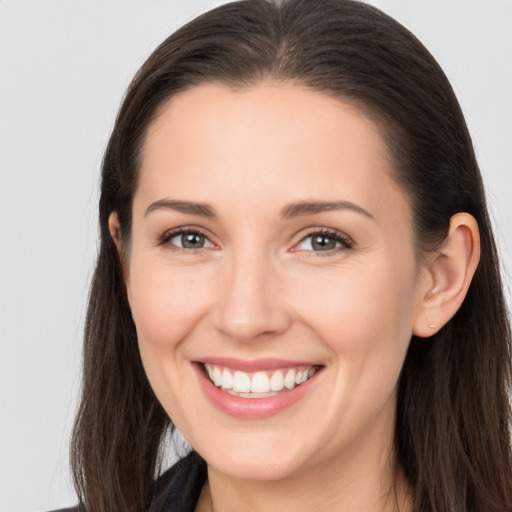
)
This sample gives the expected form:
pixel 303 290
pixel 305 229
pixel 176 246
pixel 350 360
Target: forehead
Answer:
pixel 279 141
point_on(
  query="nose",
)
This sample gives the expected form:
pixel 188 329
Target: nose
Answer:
pixel 250 305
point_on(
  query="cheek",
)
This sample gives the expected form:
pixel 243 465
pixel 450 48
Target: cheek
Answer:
pixel 359 299
pixel 364 314
pixel 166 303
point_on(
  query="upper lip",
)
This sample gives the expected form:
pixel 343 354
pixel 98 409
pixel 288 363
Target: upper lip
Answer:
pixel 255 364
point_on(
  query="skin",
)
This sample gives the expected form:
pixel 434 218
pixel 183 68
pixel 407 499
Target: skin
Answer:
pixel 258 289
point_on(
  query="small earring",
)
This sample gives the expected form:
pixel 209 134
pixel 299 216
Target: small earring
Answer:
pixel 432 326
pixel 435 290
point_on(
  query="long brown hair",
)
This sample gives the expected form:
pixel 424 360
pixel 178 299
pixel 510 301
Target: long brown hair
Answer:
pixel 452 434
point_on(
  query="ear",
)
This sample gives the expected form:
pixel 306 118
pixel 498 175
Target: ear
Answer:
pixel 449 272
pixel 114 227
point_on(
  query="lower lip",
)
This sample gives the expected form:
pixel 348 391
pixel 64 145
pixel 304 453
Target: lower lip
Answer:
pixel 252 408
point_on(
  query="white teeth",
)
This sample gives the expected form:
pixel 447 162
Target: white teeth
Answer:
pixel 251 395
pixel 227 379
pixel 298 377
pixel 260 384
pixel 289 380
pixel 241 382
pixel 277 381
pixel 217 376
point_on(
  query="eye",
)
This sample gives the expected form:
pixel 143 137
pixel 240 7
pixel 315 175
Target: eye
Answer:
pixel 324 241
pixel 186 239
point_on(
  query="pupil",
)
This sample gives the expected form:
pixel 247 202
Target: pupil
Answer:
pixel 192 240
pixel 323 243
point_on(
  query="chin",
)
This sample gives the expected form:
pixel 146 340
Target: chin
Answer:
pixel 262 459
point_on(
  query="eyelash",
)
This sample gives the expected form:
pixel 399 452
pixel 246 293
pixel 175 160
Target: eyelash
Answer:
pixel 168 235
pixel 345 241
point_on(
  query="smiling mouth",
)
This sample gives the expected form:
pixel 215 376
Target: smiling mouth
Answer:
pixel 260 384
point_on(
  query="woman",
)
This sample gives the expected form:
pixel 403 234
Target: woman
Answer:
pixel 297 271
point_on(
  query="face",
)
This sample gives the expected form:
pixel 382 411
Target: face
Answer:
pixel 272 253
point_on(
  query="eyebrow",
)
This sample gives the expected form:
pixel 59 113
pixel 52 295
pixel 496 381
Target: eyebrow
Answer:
pixel 294 210
pixel 189 207
pixel 290 211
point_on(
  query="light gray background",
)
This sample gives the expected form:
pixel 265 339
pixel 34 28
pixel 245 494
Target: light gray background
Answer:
pixel 64 66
